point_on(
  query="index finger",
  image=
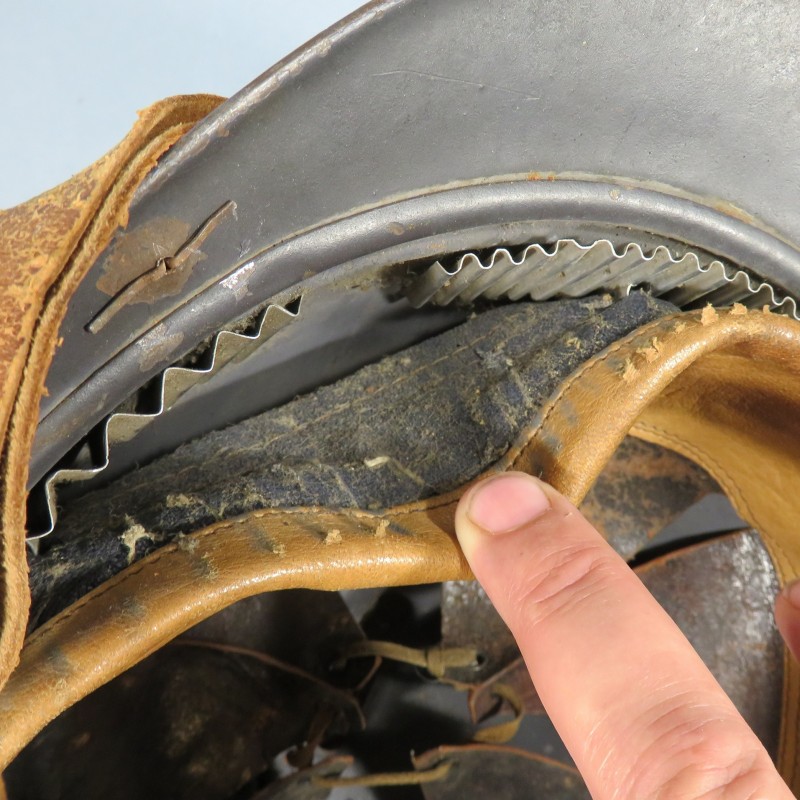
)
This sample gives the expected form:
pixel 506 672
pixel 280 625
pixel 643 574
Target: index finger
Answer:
pixel 638 710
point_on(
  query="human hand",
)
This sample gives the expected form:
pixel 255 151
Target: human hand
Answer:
pixel 636 707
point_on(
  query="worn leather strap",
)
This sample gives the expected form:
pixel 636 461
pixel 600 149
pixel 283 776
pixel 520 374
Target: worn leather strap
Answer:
pixel 722 388
pixel 46 247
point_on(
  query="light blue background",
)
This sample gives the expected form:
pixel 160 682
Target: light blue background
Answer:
pixel 73 74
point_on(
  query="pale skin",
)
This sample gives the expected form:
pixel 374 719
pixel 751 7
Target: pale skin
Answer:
pixel 636 707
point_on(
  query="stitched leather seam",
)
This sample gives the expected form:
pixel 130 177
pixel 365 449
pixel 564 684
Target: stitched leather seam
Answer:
pixel 528 438
pixel 588 365
pixel 131 572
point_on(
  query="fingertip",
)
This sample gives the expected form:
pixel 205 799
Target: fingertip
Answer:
pixel 499 505
pixel 506 502
pixel 787 617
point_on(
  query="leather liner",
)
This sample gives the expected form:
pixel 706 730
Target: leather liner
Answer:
pixel 687 381
pixel 46 247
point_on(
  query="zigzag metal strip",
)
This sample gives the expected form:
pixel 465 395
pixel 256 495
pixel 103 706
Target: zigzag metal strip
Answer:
pixel 227 347
pixel 567 269
pixel 570 269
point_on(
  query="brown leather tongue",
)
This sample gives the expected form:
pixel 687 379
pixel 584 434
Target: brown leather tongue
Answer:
pixel 723 389
pixel 47 245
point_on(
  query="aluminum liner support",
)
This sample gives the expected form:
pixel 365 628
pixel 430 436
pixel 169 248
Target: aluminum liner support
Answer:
pixel 444 117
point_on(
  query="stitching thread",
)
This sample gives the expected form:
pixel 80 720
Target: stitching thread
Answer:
pixel 524 441
pixel 586 366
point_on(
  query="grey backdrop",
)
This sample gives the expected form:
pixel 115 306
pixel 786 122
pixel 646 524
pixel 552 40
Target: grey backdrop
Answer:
pixel 73 74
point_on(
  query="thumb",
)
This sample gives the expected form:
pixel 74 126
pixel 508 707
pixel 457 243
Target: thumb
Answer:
pixel 640 713
pixel 787 617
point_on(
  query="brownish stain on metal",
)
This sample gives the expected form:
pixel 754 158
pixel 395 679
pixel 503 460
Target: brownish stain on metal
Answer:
pixel 137 251
pixel 167 275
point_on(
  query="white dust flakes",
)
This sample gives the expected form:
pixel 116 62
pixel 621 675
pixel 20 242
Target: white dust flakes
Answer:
pixel 134 534
pixel 334 536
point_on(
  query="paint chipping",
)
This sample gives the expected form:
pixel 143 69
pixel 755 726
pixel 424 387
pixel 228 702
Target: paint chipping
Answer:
pixel 380 531
pixel 162 352
pixel 236 282
pixel 630 372
pixel 738 310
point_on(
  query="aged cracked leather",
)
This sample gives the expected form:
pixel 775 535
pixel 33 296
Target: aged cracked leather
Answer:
pixel 720 387
pixel 46 246
pixel 394 432
pixel 689 380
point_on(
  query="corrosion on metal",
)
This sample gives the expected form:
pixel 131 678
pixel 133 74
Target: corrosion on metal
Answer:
pixel 146 285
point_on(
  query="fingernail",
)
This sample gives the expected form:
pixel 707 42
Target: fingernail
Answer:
pixel 507 502
pixel 792 593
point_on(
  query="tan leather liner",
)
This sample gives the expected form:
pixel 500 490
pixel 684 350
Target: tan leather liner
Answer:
pixel 722 388
pixel 46 247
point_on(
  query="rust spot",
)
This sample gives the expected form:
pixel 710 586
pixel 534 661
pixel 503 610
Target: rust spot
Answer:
pixel 396 228
pixel 538 176
pixel 136 251
pixel 167 275
pixel 734 211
